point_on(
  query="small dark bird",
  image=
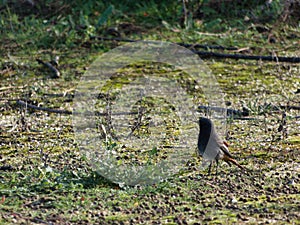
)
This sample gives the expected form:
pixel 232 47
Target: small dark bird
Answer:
pixel 210 145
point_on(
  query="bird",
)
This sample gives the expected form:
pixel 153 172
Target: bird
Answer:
pixel 211 147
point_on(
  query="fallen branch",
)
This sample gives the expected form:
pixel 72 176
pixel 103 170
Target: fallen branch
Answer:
pixel 215 54
pixel 236 114
pixel 249 57
pixel 56 73
pixel 229 112
pixel 25 104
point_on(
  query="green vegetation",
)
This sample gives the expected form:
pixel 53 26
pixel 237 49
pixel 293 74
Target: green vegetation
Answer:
pixel 44 178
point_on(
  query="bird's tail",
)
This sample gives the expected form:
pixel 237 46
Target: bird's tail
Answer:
pixel 231 160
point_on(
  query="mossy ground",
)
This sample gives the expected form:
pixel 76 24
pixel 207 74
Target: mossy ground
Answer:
pixel 45 179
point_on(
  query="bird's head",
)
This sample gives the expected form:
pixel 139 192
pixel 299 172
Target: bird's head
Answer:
pixel 204 122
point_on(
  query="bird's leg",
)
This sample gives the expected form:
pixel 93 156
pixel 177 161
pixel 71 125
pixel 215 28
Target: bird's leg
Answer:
pixel 209 168
pixel 217 162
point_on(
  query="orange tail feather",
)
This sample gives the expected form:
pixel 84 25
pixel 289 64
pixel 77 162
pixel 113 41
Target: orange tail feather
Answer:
pixel 229 159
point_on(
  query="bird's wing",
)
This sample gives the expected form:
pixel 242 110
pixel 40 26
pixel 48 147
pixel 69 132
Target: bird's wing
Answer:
pixel 212 150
